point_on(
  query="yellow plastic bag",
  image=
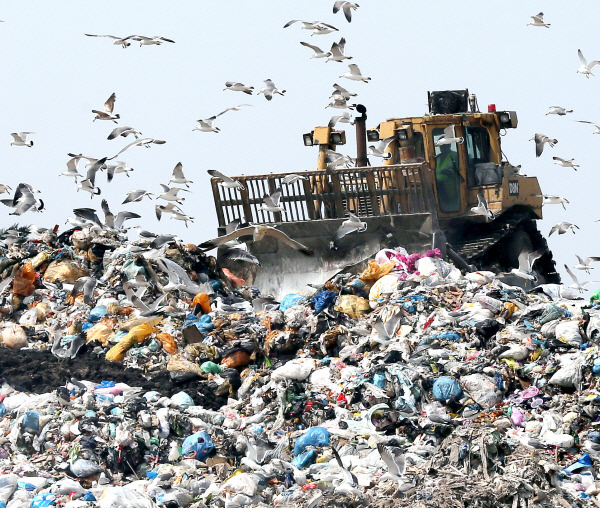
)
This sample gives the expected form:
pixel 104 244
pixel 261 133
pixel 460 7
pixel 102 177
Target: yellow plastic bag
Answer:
pixel 99 332
pixel 23 283
pixel 136 335
pixel 375 271
pixel 64 271
pixel 353 305
pixel 168 342
pixel 178 363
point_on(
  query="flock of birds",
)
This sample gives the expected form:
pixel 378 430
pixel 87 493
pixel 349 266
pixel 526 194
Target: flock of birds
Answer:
pixel 527 259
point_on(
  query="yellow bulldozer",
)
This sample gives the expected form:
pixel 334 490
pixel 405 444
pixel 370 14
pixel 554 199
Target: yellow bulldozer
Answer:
pixel 442 182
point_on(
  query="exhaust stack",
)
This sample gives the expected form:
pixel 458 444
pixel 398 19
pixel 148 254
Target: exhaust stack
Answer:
pixel 361 137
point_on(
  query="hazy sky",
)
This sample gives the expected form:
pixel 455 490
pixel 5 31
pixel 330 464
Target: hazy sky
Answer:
pixel 53 76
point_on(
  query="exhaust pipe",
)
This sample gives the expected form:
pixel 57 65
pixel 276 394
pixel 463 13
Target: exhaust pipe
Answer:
pixel 361 137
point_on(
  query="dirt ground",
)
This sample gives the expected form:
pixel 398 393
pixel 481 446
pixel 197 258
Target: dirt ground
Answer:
pixel 41 372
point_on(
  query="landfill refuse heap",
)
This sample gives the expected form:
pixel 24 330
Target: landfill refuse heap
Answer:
pixel 140 374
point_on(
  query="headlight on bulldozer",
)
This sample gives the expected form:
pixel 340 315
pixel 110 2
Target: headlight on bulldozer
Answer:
pixel 373 135
pixel 508 119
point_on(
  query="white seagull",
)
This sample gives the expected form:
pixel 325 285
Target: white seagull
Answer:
pixel 145 142
pixel 584 264
pixel 119 41
pixel 170 194
pixel 290 179
pixel 576 284
pixel 538 20
pixel 596 126
pixel 318 52
pixel 258 232
pixel 381 149
pixel 271 202
pixel 135 196
pixel 347 7
pixel 526 262
pixel 449 137
pixel 482 207
pixel 354 74
pixel 350 226
pixel 565 163
pixel 563 227
pixel 227 182
pixel 334 159
pixel 341 92
pixel 208 124
pixel 270 89
pixel 178 176
pixel 107 111
pixel 343 118
pixel 21 139
pixel 238 87
pixel 156 40
pixel 170 207
pixel 558 110
pixel 586 68
pixel 540 139
pixel 340 103
pixel 124 131
pixel 337 52
pixel 552 200
pixel 181 216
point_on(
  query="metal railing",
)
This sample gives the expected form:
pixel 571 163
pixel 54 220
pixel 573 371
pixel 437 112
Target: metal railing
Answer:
pixel 365 191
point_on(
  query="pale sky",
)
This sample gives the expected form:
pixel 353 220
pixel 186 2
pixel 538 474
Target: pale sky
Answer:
pixel 53 76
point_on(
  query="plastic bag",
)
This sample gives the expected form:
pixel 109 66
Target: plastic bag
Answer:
pixel 569 375
pixel 210 368
pixel 447 389
pixel 568 332
pixel 64 271
pixel 298 370
pixel 83 468
pixel 100 333
pixel 97 313
pixel 199 443
pixel 13 336
pixel 182 399
pixel 386 285
pixel 323 300
pixel 375 271
pixel 168 342
pixel 290 300
pixel 23 283
pixel 203 300
pixel 305 459
pixel 179 363
pixel 243 483
pixel 136 335
pixel 233 279
pixel 352 305
pixel 8 484
pixel 43 500
pixel 122 497
pixel 481 389
pixel 315 436
pixel 239 358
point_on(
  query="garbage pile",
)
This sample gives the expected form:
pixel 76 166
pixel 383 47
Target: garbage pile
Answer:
pixel 141 374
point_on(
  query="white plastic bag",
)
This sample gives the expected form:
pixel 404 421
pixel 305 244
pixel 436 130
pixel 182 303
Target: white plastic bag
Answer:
pixel 298 370
pixel 122 497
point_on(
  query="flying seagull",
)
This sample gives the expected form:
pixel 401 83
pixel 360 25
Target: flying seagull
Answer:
pixel 178 176
pixel 350 226
pixel 318 52
pixel 586 68
pixel 343 118
pixel 449 137
pixel 271 202
pixel 341 92
pixel 146 142
pixel 334 159
pixel 135 196
pixel 238 87
pixel 565 163
pixel 156 40
pixel 170 194
pixel 347 7
pixel 381 149
pixel 584 264
pixel 538 20
pixel 227 182
pixel 270 89
pixel 291 178
pixel 107 112
pixel 318 27
pixel 482 207
pixel 119 41
pixel 540 139
pixel 563 227
pixel 124 131
pixel 208 124
pixel 340 103
pixel 552 200
pixel 576 284
pixel 354 74
pixel 21 139
pixel 558 110
pixel 596 126
pixel 258 232
pixel 337 52
pixel 526 261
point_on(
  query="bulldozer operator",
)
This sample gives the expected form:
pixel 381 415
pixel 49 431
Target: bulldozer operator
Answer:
pixel 447 178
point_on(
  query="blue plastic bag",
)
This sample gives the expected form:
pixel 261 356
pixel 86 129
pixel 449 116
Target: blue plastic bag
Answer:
pixel 316 436
pixel 596 366
pixel 2 410
pixel 105 384
pixel 447 389
pixel 97 313
pixel 379 379
pixel 584 461
pixel 323 300
pixel 31 421
pixel 291 300
pixel 43 500
pixel 305 459
pixel 182 399
pixel 199 443
pixel 86 325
